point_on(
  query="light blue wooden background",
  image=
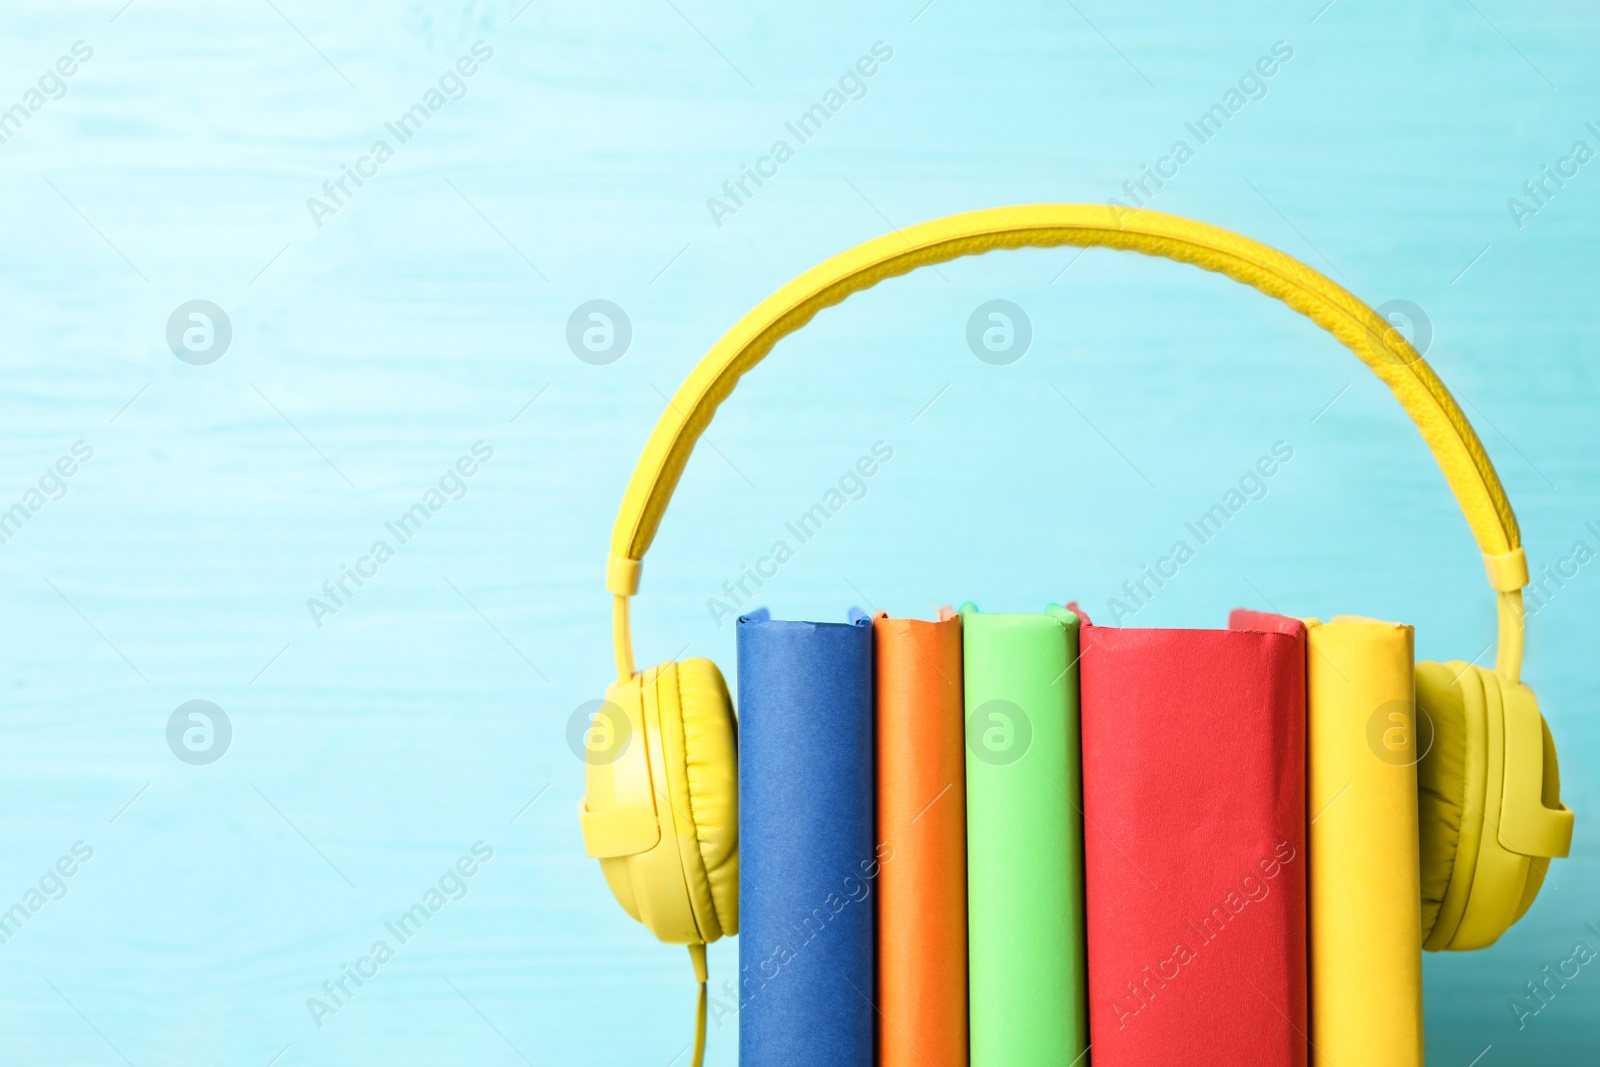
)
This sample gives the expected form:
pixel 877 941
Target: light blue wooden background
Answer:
pixel 430 712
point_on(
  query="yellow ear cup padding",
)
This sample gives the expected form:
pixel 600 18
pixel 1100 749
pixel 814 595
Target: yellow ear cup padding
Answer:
pixel 1496 881
pixel 709 795
pixel 1452 765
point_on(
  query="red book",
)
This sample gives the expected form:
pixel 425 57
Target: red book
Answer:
pixel 1194 844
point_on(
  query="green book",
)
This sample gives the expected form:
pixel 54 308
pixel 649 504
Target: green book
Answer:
pixel 1024 839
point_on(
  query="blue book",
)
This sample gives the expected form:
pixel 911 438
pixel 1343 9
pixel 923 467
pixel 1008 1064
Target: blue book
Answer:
pixel 808 861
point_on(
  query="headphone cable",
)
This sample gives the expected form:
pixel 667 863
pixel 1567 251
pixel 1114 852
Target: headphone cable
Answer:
pixel 697 954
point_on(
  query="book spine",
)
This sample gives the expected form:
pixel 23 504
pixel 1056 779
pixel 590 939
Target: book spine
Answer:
pixel 1024 839
pixel 922 817
pixel 1361 793
pixel 808 861
pixel 1193 760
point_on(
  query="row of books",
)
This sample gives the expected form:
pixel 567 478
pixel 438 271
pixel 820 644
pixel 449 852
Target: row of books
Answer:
pixel 1003 839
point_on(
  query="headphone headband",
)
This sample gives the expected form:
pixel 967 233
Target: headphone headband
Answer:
pixel 1448 434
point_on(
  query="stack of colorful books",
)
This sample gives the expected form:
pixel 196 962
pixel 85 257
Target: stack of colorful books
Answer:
pixel 1011 839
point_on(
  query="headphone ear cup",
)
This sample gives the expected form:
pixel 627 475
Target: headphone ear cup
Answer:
pixel 1489 807
pixel 1449 812
pixel 675 866
pixel 706 788
pixel 1550 796
pixel 661 804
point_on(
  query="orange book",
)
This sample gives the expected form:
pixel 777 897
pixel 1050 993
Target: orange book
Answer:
pixel 922 818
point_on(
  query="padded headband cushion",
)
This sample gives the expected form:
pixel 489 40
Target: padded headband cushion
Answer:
pixel 1372 338
pixel 706 787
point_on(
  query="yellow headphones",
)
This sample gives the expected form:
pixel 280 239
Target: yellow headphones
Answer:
pixel 662 816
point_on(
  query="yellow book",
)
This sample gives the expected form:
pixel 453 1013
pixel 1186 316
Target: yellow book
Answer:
pixel 1365 905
